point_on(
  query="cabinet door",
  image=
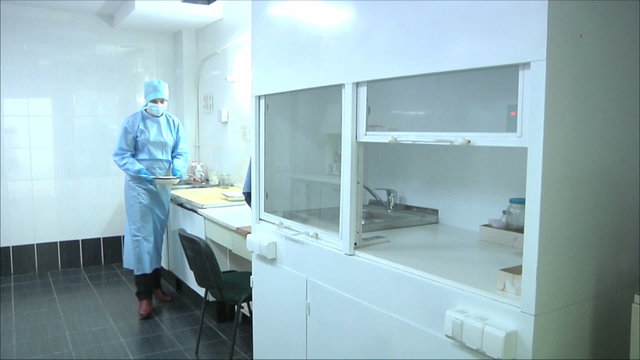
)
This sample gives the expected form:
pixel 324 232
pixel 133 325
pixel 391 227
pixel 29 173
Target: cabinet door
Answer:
pixel 279 312
pixel 441 107
pixel 302 158
pixel 343 327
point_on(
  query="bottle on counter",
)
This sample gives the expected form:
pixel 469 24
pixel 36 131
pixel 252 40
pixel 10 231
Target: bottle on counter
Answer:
pixel 213 178
pixel 225 180
pixel 515 214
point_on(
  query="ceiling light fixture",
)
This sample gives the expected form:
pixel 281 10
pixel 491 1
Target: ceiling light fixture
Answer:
pixel 199 2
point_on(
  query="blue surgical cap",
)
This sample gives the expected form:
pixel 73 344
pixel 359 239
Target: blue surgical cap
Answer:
pixel 156 89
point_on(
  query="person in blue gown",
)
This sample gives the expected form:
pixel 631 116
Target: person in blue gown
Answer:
pixel 151 143
pixel 246 187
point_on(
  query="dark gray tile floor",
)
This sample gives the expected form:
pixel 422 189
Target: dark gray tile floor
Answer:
pixel 91 313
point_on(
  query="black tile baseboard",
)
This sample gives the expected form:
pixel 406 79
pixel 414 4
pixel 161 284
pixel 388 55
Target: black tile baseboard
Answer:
pixel 112 249
pixel 69 254
pixel 5 261
pixel 23 259
pixel 91 252
pixel 48 259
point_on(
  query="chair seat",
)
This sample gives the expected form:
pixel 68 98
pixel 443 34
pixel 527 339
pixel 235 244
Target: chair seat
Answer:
pixel 237 287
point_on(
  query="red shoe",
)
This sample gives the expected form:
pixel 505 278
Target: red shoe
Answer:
pixel 145 308
pixel 162 296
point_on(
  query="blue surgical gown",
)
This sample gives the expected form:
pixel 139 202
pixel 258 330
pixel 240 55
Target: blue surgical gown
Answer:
pixel 156 144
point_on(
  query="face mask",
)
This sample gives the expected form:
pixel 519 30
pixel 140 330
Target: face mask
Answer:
pixel 156 109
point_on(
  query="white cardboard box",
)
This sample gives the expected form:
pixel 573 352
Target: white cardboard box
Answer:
pixel 510 279
pixel 501 236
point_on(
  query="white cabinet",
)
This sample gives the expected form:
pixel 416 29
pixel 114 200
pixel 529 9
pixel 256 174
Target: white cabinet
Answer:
pixel 340 326
pixel 572 154
pixel 279 311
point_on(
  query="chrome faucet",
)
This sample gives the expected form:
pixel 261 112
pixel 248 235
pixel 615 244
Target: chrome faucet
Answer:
pixel 373 193
pixel 392 196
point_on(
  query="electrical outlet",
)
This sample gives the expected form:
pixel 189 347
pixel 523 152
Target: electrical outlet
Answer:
pixel 207 103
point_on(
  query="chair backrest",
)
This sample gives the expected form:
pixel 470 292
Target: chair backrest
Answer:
pixel 202 261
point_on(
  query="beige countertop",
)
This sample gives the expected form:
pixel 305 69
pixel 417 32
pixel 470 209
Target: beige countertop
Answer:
pixel 210 197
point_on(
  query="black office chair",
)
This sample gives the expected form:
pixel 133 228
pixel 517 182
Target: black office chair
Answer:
pixel 228 287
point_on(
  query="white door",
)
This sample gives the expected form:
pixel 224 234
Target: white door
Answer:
pixel 343 327
pixel 279 312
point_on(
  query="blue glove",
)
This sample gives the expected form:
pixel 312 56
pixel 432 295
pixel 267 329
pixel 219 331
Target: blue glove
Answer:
pixel 146 175
pixel 177 173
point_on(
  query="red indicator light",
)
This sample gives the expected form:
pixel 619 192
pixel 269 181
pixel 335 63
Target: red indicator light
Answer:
pixel 513 113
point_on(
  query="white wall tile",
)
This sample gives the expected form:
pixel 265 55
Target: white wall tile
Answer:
pixel 85 103
pixel 45 226
pixel 42 163
pixel 19 226
pixel 227 147
pixel 45 211
pixel 15 107
pixel 44 192
pixel 19 191
pixel 40 107
pixel 64 163
pixel 19 222
pixel 66 208
pixel 62 101
pixel 16 165
pixel 63 126
pixel 68 81
pixel 41 131
pixel 15 132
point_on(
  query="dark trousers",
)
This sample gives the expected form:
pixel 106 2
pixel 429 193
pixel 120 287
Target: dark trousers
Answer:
pixel 147 283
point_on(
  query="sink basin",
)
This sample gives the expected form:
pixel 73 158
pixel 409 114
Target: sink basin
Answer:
pixel 374 217
pixel 379 218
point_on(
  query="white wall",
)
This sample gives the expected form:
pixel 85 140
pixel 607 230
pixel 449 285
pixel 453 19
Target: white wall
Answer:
pixel 589 231
pixel 224 72
pixel 68 82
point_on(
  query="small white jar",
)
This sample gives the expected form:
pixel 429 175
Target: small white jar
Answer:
pixel 515 214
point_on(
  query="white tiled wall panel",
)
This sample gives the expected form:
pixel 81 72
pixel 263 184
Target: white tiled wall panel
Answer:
pixel 225 47
pixel 65 93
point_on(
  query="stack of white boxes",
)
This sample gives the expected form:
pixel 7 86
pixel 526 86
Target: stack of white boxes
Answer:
pixel 480 333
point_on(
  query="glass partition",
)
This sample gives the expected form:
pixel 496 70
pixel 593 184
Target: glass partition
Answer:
pixel 302 156
pixel 471 101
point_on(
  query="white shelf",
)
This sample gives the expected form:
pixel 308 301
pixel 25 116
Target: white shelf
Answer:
pixel 229 217
pixel 446 254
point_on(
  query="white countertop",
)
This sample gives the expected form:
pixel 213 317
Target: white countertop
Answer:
pixel 446 254
pixel 232 217
pixel 440 252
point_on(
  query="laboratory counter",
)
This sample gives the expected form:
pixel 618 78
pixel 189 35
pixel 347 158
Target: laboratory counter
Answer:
pixel 229 227
pixel 218 215
pixel 227 217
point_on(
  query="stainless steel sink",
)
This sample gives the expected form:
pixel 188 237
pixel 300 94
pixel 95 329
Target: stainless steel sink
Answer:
pixel 379 218
pixel 374 217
